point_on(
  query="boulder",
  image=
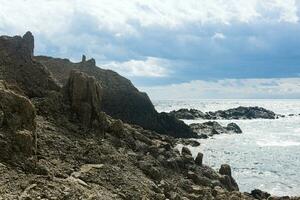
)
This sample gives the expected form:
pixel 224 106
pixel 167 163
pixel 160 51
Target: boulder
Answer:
pixel 199 159
pixel 17 124
pixel 226 179
pixel 84 94
pixel 211 128
pixel 233 128
pixel 260 195
pixel 18 113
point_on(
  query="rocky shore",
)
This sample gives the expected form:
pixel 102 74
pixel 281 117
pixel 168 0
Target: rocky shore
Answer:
pixel 230 114
pixel 75 131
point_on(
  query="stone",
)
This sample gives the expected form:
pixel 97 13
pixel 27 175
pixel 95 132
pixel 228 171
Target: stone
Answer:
pixel 199 159
pixel 117 127
pixel 186 151
pixel 234 128
pixel 260 195
pixel 83 58
pixel 84 94
pixel 25 141
pixel 225 170
pixel 18 112
pixel 1 118
pixel 233 113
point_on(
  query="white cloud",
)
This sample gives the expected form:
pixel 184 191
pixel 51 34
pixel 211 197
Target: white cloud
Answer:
pixel 228 88
pixel 218 36
pixel 51 16
pixel 151 67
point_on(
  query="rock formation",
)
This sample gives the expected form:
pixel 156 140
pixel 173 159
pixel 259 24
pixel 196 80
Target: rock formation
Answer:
pixel 18 67
pixel 120 98
pixel 17 126
pixel 125 162
pixel 211 128
pixel 84 95
pixel 234 113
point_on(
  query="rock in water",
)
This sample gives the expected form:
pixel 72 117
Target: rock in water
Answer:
pixel 233 113
pixel 84 95
pixel 234 128
pixel 211 128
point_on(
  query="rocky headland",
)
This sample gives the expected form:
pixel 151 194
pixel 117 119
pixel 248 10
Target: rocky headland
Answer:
pixel 75 131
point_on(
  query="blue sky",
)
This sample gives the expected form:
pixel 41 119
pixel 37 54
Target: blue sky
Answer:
pixel 204 49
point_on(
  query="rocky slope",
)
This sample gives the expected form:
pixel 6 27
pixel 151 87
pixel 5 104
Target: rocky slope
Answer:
pixel 233 113
pixel 61 145
pixel 120 98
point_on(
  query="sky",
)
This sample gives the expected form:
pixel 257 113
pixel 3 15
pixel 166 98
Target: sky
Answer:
pixel 173 49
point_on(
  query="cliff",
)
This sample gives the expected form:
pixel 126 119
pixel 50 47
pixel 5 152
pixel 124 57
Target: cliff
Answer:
pixel 57 143
pixel 121 99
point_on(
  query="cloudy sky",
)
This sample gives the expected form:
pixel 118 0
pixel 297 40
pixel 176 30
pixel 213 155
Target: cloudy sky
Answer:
pixel 173 48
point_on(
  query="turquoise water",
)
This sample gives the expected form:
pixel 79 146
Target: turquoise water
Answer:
pixel 266 156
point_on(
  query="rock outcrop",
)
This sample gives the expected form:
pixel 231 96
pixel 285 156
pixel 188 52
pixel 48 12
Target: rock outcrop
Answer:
pixel 125 162
pixel 230 114
pixel 17 126
pixel 84 94
pixel 18 67
pixel 120 98
pixel 207 129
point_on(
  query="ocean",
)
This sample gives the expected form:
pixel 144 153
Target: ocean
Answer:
pixel 265 156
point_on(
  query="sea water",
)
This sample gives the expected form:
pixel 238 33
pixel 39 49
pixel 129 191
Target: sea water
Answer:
pixel 265 156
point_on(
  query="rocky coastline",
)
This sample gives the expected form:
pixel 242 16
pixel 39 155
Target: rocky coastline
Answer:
pixel 230 114
pixel 76 131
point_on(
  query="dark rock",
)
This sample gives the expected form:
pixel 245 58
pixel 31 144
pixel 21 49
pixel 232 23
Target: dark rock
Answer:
pixel 188 114
pixel 17 66
pixel 234 113
pixel 83 58
pixel 234 128
pixel 214 128
pixel 186 152
pixel 225 170
pixel 260 195
pixel 121 99
pixel 226 179
pixel 84 94
pixel 199 159
pixel 189 142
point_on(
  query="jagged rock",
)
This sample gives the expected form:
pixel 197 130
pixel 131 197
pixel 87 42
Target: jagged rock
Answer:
pixel 121 99
pixel 211 128
pixel 1 118
pixel 83 58
pixel 234 128
pixel 260 195
pixel 189 142
pixel 117 128
pixel 199 159
pixel 225 170
pixel 18 112
pixel 233 113
pixel 18 67
pixel 18 125
pixel 84 95
pixel 227 180
pixel 188 114
pixel 186 152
